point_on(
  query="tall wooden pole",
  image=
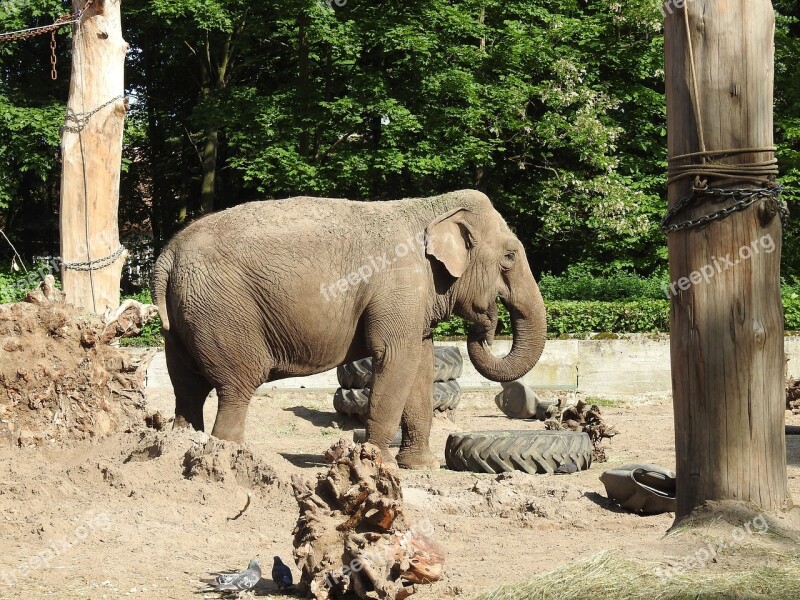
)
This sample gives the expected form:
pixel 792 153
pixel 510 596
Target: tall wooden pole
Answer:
pixel 727 317
pixel 91 147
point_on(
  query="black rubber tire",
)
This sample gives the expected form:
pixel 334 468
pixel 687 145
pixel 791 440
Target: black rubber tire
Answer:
pixel 351 402
pixel 446 395
pixel 447 364
pixel 355 375
pixel 529 451
pixel 360 436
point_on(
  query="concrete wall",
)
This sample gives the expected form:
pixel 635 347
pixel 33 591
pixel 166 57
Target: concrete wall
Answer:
pixel 634 366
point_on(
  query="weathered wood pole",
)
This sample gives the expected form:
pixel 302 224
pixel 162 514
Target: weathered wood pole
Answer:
pixel 727 318
pixel 91 149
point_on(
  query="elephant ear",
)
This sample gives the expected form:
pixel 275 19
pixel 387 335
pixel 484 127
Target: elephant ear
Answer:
pixel 449 239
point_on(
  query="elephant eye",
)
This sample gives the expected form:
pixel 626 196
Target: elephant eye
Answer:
pixel 508 260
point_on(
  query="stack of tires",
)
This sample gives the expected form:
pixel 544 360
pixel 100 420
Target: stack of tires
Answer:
pixel 355 379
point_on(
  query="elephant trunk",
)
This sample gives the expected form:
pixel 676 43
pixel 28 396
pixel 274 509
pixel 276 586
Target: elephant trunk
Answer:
pixel 529 324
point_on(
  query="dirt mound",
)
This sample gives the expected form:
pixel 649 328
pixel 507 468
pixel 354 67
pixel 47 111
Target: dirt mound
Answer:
pixel 219 460
pixel 60 378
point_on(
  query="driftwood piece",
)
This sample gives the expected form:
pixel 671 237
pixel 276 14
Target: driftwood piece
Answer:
pixel 127 320
pixel 46 293
pixel 353 536
pixel 577 418
pixel 793 395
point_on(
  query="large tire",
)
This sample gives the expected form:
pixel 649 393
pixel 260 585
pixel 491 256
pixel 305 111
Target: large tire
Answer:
pixel 446 395
pixel 529 451
pixel 351 402
pixel 447 364
pixel 355 375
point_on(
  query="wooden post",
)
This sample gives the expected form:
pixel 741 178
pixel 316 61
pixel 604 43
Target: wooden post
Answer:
pixel 91 147
pixel 727 318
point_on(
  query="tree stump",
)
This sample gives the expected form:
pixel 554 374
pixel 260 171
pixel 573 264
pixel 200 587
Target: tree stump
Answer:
pixel 352 534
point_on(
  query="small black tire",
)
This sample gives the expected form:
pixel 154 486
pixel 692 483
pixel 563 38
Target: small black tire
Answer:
pixel 447 364
pixel 529 451
pixel 354 403
pixel 446 395
pixel 360 436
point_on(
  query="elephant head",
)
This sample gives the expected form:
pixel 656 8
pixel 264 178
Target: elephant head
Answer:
pixel 484 260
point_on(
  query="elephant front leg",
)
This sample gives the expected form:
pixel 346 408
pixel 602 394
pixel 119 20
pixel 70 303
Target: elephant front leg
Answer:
pixel 415 452
pixel 391 385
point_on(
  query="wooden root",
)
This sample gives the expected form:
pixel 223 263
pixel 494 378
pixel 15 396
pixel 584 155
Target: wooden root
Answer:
pixel 127 320
pixel 352 534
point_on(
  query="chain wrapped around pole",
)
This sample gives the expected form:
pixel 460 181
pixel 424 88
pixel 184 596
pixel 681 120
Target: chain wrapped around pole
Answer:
pixel 742 198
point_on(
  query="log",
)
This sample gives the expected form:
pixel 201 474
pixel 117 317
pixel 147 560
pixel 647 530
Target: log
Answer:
pixel 91 150
pixel 353 536
pixel 726 328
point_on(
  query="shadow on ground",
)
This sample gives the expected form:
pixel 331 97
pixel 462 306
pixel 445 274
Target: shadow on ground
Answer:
pixel 304 461
pixel 605 503
pixel 324 418
pixel 793 448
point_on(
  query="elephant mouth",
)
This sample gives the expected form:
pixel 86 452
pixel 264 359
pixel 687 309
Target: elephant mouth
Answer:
pixel 486 323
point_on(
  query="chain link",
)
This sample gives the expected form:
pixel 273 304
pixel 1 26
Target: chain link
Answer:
pixel 743 198
pixel 53 72
pixel 96 264
pixel 81 119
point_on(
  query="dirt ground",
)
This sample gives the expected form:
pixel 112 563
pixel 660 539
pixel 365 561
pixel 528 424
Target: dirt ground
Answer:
pixel 127 516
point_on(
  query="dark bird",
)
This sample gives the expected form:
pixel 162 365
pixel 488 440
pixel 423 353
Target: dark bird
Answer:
pixel 281 574
pixel 567 468
pixel 235 582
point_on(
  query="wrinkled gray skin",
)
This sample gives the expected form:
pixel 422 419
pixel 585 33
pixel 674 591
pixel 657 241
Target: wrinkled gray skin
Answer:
pixel 254 294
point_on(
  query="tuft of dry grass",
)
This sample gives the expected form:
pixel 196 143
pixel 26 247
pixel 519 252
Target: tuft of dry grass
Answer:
pixel 606 576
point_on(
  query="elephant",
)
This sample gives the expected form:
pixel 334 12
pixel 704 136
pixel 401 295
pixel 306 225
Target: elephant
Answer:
pixel 285 288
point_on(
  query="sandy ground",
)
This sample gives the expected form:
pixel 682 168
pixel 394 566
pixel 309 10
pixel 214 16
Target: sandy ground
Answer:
pixel 122 517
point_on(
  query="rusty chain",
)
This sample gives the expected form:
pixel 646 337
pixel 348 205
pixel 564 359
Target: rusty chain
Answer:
pixel 63 20
pixel 24 34
pixel 742 197
pixel 53 72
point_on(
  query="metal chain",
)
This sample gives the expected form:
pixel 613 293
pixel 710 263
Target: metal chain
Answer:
pixel 96 264
pixel 24 34
pixel 53 72
pixel 744 198
pixel 63 20
pixel 81 119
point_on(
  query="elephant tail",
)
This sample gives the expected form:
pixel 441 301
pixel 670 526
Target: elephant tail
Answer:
pixel 161 272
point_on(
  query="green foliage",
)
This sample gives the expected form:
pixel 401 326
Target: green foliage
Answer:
pixel 15 284
pixel 578 283
pixel 150 335
pixel 554 108
pixel 640 316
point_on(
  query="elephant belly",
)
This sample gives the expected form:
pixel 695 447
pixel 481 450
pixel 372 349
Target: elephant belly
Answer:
pixel 318 351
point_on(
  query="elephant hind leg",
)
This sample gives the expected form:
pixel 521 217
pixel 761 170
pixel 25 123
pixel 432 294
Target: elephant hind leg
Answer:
pixel 190 386
pixel 232 412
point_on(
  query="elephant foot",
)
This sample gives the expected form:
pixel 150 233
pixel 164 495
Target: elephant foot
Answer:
pixel 417 460
pixel 181 422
